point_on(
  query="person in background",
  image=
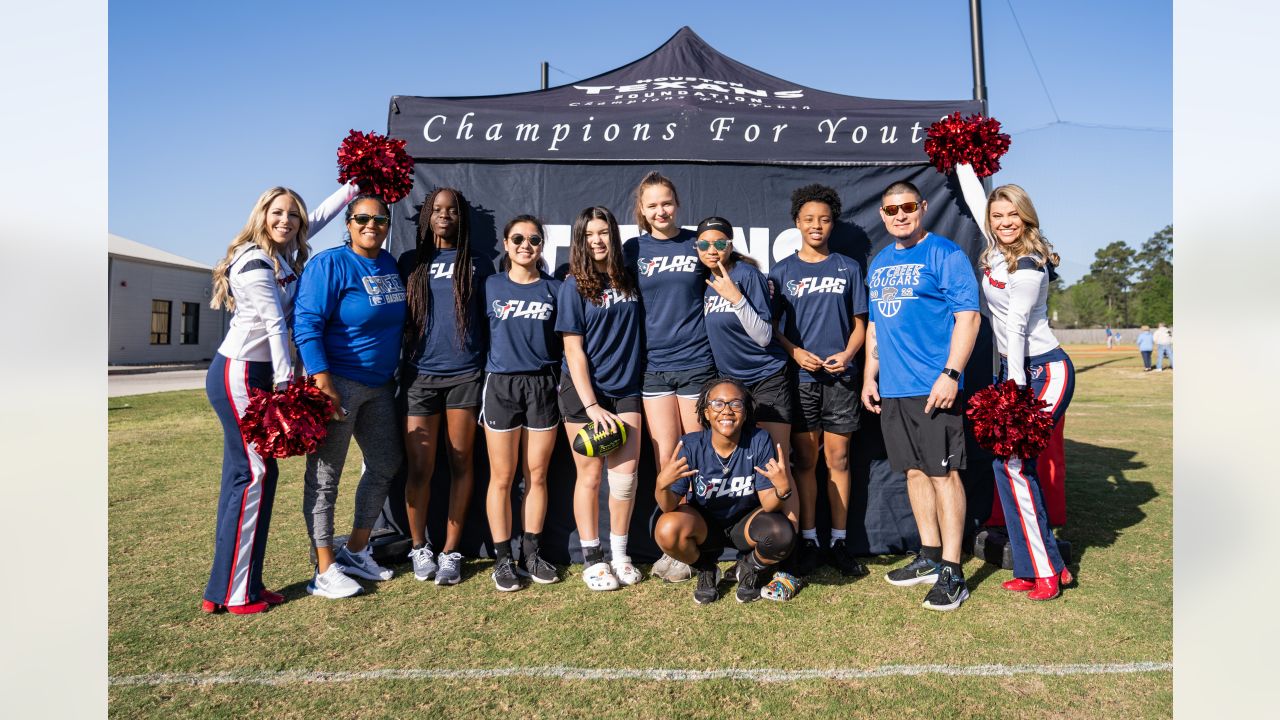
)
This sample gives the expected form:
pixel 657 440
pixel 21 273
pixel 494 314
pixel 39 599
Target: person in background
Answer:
pixel 1163 338
pixel 1146 344
pixel 1111 338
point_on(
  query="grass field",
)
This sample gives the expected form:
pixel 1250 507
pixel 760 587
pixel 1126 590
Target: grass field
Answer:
pixel 1101 650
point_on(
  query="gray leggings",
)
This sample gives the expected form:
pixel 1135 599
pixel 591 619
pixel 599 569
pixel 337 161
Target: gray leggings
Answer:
pixel 373 421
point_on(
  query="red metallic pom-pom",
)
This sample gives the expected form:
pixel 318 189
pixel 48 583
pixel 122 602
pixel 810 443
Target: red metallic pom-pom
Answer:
pixel 378 164
pixel 1010 421
pixel 974 140
pixel 289 422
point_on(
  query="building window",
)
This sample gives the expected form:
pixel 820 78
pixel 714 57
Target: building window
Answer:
pixel 160 310
pixel 190 323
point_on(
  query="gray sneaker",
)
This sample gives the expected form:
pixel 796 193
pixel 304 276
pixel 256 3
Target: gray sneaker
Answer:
pixel 424 562
pixel 671 569
pixel 361 564
pixel 333 584
pixel 450 572
pixel 538 570
pixel 504 575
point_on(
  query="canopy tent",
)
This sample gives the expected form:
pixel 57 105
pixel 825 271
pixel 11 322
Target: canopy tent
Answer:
pixel 736 142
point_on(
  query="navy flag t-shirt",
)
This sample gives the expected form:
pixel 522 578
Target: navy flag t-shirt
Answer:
pixel 736 354
pixel 725 488
pixel 816 303
pixel 671 282
pixel 522 324
pixel 610 336
pixel 438 351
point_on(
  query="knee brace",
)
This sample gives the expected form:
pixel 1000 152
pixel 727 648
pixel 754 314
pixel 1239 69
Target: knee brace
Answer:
pixel 622 486
pixel 773 536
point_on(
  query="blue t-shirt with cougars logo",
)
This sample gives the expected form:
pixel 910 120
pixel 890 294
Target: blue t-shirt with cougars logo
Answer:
pixel 610 336
pixel 725 489
pixel 438 351
pixel 817 303
pixel 671 284
pixel 522 324
pixel 913 295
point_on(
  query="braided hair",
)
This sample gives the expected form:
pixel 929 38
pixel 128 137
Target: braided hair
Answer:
pixel 418 296
pixel 704 402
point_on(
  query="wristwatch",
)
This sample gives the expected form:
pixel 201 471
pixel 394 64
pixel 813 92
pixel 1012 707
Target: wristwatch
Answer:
pixel 953 374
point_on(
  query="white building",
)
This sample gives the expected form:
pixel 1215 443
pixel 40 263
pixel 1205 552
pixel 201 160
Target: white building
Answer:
pixel 158 307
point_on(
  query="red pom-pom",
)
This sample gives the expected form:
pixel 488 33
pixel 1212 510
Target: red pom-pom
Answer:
pixel 378 164
pixel 974 140
pixel 290 422
pixel 1010 421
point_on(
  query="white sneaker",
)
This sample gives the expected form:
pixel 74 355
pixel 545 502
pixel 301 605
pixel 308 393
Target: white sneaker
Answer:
pixel 450 572
pixel 626 573
pixel 361 564
pixel 424 563
pixel 333 584
pixel 600 577
pixel 671 569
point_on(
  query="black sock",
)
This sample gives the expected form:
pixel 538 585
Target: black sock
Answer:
pixel 420 546
pixel 756 563
pixel 592 555
pixel 932 554
pixel 955 568
pixel 530 543
pixel 502 550
pixel 707 560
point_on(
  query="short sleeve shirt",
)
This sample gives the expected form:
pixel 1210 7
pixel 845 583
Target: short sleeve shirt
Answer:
pixel 817 303
pixel 725 489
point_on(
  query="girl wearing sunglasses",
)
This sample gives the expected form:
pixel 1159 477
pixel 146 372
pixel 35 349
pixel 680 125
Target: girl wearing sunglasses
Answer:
pixel 519 408
pixel 599 319
pixel 256 281
pixel 347 323
pixel 443 372
pixel 1017 267
pixel 725 485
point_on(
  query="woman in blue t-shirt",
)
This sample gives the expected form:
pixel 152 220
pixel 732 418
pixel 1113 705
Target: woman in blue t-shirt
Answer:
pixel 443 372
pixel 725 484
pixel 599 320
pixel 519 408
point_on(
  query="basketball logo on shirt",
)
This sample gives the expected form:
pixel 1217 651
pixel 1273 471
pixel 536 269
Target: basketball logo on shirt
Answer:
pixel 889 286
pixel 531 309
pixel 811 285
pixel 680 263
pixel 383 289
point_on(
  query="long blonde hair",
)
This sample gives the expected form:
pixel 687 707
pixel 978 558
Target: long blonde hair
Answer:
pixel 255 232
pixel 1031 243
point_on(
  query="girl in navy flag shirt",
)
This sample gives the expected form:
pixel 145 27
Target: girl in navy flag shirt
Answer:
pixel 519 407
pixel 599 319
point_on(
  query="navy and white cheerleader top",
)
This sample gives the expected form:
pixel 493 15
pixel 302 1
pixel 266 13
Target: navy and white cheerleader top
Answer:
pixel 1018 303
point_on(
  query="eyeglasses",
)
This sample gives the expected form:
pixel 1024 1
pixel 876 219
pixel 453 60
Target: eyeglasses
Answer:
pixel 534 240
pixel 907 207
pixel 705 245
pixel 363 219
pixel 720 405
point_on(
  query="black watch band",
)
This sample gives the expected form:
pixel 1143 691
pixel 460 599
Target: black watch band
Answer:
pixel 783 497
pixel 953 374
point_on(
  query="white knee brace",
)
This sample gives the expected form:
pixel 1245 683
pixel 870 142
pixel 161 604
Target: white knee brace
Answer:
pixel 622 486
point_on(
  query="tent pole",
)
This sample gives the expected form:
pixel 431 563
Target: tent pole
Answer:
pixel 545 67
pixel 979 66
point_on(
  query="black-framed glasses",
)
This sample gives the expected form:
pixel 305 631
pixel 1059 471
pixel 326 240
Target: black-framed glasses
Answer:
pixel 705 245
pixel 534 240
pixel 362 219
pixel 907 207
pixel 720 405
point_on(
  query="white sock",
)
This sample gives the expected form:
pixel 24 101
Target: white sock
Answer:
pixel 618 546
pixel 593 542
pixel 838 535
pixel 810 534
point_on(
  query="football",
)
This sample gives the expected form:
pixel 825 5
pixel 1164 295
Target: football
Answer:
pixel 597 443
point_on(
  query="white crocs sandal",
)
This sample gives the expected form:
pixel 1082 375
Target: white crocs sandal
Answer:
pixel 626 573
pixel 600 577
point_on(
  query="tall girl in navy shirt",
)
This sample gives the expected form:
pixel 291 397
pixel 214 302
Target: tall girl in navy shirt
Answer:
pixel 599 319
pixel 519 409
pixel 443 373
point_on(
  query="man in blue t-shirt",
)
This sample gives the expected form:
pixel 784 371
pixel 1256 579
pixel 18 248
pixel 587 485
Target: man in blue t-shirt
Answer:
pixel 923 298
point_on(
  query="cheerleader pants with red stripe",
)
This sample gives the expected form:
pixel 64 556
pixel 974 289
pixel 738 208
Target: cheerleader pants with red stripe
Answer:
pixel 248 486
pixel 1052 378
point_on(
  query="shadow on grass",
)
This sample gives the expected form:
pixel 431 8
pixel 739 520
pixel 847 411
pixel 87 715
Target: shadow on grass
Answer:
pixel 1086 368
pixel 1101 500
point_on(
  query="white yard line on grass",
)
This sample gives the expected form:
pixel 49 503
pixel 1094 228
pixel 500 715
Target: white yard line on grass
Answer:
pixel 286 677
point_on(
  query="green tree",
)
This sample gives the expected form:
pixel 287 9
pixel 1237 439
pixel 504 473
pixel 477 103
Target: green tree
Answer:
pixel 1155 258
pixel 1152 296
pixel 1112 270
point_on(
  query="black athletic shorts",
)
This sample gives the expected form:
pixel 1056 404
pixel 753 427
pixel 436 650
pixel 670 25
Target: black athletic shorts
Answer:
pixel 520 400
pixel 571 408
pixel 932 443
pixel 774 401
pixel 832 406
pixel 684 383
pixel 722 533
pixel 431 394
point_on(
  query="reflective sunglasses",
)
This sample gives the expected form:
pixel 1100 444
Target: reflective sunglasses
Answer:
pixel 907 207
pixel 720 405
pixel 720 245
pixel 363 219
pixel 534 240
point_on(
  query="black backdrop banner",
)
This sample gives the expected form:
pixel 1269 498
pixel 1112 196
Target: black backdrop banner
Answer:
pixel 747 181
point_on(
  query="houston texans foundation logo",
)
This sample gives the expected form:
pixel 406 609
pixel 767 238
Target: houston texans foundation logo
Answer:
pixel 680 263
pixel 810 285
pixel 533 310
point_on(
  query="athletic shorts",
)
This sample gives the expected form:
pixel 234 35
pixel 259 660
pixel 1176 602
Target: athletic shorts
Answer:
pixel 427 395
pixel 723 533
pixel 571 408
pixel 774 401
pixel 831 406
pixel 520 400
pixel 684 383
pixel 932 443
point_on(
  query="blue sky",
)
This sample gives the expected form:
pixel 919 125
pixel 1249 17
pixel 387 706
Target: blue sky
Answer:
pixel 209 104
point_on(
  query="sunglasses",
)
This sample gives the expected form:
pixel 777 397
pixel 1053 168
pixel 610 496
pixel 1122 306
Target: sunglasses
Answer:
pixel 708 244
pixel 363 219
pixel 907 207
pixel 534 240
pixel 720 405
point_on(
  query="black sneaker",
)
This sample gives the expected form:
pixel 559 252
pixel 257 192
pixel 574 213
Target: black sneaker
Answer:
pixel 807 557
pixel 504 576
pixel 749 581
pixel 916 572
pixel 706 591
pixel 839 558
pixel 537 569
pixel 948 592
